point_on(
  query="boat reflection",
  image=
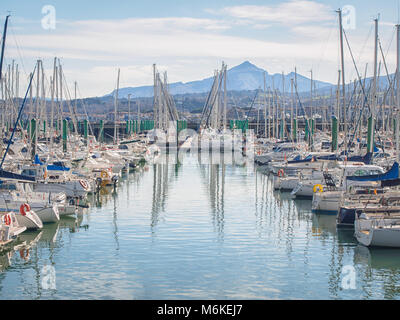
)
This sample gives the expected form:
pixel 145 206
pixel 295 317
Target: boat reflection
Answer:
pixel 377 258
pixel 25 248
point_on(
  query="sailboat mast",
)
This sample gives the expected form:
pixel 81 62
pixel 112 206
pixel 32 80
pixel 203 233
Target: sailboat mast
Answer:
pixel 374 86
pixel 398 93
pixel 265 107
pixel 3 46
pixel 115 110
pixel 343 79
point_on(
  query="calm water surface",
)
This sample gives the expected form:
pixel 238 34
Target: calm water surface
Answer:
pixel 196 231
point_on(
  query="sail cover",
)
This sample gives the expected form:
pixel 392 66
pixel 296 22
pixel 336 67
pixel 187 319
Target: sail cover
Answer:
pixel 13 176
pixel 392 174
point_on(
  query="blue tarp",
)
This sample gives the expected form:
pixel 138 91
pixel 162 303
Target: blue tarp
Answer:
pixel 13 176
pixel 392 174
pixel 298 160
pixel 57 168
pixel 366 159
pixel 37 160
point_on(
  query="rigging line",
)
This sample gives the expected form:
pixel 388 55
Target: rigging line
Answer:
pixel 18 48
pixel 358 74
pixel 206 103
pixel 84 108
pixel 384 62
pixel 17 121
pixel 324 48
pixel 364 45
pixel 252 104
pixel 391 40
pixel 234 104
pixel 215 97
pixel 71 110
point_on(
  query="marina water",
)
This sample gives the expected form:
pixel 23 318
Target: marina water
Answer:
pixel 196 230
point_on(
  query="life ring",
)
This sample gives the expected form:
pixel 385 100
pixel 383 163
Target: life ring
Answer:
pixel 318 188
pixel 84 184
pixel 281 173
pixel 24 254
pixel 104 174
pixel 24 208
pixel 7 219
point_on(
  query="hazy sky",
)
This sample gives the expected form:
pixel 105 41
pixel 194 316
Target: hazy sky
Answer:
pixel 190 39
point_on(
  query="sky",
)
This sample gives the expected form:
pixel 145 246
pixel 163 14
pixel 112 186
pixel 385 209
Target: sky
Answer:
pixel 191 39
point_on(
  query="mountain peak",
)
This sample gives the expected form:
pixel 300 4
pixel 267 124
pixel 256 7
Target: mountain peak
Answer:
pixel 246 66
pixel 245 76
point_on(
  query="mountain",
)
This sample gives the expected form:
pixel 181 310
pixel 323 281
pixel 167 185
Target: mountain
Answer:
pixel 245 76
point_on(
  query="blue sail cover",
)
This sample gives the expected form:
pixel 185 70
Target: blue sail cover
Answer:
pixel 57 168
pixel 13 176
pixel 299 160
pixel 366 159
pixel 392 174
pixel 37 160
pixel 331 157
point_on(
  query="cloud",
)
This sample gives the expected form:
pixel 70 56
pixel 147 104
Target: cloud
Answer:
pixel 292 12
pixel 188 48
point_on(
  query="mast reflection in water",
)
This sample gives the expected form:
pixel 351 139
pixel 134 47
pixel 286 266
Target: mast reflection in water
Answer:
pixel 197 228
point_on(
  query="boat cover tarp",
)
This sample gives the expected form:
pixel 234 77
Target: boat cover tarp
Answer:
pixel 392 174
pixel 366 159
pixel 57 168
pixel 13 176
pixel 331 157
pixel 297 160
pixel 37 160
pixel 390 183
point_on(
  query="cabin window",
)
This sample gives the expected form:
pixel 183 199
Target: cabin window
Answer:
pixel 360 173
pixel 29 172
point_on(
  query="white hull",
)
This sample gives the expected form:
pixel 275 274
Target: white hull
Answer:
pixel 285 184
pixel 72 188
pixel 378 233
pixel 66 210
pixel 327 202
pixel 305 190
pixel 48 214
pixel 31 220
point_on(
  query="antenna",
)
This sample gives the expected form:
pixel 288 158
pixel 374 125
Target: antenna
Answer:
pixel 398 12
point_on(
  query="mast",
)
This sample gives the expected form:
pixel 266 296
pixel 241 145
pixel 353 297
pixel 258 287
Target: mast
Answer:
pixel 3 46
pixel 155 114
pixel 283 114
pixel 53 86
pixel 292 109
pixel 343 78
pixel 61 108
pixel 374 97
pixel 398 93
pixel 225 97
pixel 311 96
pixel 265 108
pixel 76 106
pixel 115 110
pixel 129 107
